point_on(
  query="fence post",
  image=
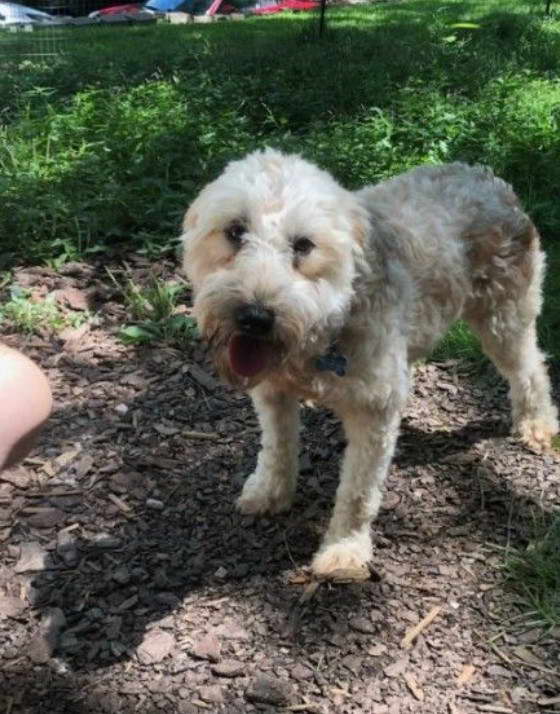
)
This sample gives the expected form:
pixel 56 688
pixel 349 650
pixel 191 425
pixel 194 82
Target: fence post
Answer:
pixel 322 17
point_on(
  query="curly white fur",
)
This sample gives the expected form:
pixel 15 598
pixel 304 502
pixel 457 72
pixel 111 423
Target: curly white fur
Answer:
pixel 390 268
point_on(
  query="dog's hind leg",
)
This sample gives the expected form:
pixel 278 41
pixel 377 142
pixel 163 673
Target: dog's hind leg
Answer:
pixel 506 325
pixel 517 356
pixel 271 488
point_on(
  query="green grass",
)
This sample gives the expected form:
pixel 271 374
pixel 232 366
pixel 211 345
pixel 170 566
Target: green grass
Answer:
pixel 102 148
pixel 25 314
pixel 534 572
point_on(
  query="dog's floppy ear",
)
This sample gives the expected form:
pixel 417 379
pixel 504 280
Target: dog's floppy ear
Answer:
pixel 190 222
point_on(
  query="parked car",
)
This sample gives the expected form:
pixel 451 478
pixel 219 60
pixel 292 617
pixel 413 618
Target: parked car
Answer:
pixel 129 8
pixel 73 8
pixel 13 15
pixel 151 6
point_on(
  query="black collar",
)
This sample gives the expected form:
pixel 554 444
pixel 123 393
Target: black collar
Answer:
pixel 332 361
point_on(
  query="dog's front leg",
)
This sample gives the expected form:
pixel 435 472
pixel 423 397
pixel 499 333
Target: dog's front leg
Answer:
pixel 371 432
pixel 271 487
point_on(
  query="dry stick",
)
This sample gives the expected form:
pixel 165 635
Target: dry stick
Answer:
pixel 199 435
pixel 500 654
pixel 548 702
pixel 413 633
pixel 119 503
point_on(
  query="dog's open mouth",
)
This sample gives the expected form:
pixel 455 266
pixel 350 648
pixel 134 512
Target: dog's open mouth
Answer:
pixel 249 355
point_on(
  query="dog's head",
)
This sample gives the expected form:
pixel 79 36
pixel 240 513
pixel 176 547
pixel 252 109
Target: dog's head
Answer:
pixel 271 249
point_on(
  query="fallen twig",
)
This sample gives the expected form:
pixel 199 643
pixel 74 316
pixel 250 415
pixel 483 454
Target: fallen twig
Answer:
pixel 210 435
pixel 413 633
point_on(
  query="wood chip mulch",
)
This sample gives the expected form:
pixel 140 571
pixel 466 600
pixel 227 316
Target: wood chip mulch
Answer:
pixel 128 582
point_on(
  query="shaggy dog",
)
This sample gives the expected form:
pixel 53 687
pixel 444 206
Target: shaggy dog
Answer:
pixel 305 290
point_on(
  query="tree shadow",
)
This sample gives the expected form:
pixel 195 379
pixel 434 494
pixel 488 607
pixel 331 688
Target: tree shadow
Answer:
pixel 134 564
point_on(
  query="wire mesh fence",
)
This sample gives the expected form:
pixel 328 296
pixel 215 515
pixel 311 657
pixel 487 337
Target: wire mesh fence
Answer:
pixel 38 28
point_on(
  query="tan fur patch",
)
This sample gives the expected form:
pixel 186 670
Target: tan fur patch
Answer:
pixel 212 253
pixel 359 231
pixel 322 262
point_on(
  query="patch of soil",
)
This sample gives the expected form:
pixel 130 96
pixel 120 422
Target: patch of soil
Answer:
pixel 129 583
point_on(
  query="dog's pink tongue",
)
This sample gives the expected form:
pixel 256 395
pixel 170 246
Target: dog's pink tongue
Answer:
pixel 247 355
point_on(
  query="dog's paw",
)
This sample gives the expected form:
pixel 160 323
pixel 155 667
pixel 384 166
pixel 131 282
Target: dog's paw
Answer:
pixel 347 557
pixel 262 495
pixel 537 434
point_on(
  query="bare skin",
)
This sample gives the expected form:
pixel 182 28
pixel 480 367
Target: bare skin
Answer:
pixel 25 404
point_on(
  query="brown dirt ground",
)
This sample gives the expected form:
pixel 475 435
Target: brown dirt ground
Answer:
pixel 128 582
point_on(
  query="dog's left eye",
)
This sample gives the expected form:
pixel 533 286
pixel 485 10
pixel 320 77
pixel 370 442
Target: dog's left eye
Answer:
pixel 303 246
pixel 235 232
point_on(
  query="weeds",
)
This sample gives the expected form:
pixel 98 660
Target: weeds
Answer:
pixel 155 311
pixel 534 572
pixel 26 314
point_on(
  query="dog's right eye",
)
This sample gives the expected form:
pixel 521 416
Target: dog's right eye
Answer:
pixel 235 232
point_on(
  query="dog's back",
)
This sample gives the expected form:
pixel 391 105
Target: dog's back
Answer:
pixel 462 236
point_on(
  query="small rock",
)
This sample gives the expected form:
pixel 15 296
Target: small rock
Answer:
pixel 10 606
pixel 229 668
pixel 207 648
pixel 121 409
pixel 155 504
pixel 221 572
pixel 268 690
pixel 32 557
pixel 212 694
pixel 155 647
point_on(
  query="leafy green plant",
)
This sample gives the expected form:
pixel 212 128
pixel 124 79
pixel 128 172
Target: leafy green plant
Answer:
pixel 534 572
pixel 154 311
pixel 25 314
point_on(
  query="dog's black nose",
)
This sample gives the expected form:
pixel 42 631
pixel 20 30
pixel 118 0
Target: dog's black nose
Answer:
pixel 254 319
